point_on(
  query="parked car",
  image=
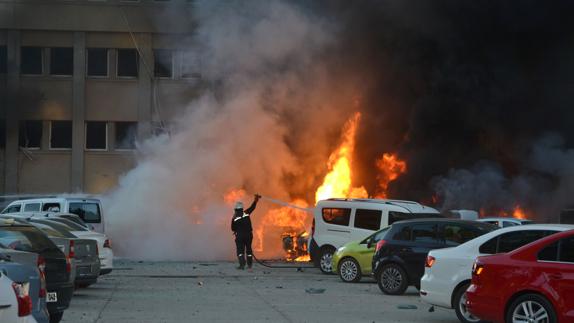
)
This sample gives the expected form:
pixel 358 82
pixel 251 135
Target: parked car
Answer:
pixel 338 221
pixel 24 237
pixel 105 251
pixel 89 209
pixel 534 283
pixel 84 252
pixel 15 302
pixel 354 259
pixel 26 266
pixel 448 271
pixel 400 255
pixel 503 222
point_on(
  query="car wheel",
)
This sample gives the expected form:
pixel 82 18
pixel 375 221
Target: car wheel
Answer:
pixel 459 304
pixel 392 279
pixel 349 270
pixel 326 260
pixel 531 308
pixel 56 317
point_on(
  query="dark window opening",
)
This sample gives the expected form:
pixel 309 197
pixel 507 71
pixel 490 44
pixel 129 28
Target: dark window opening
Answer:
pixel 89 212
pixel 425 233
pixel 127 63
pixel 62 61
pixel 126 133
pixel 3 59
pixel 455 234
pixel 51 207
pixel 368 219
pixel 163 64
pixel 512 240
pixel 567 250
pixel 96 135
pixel 61 135
pixel 31 60
pixel 13 209
pixel 30 134
pixel 97 61
pixel 337 216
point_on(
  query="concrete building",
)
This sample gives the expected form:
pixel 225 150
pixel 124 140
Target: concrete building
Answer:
pixel 81 80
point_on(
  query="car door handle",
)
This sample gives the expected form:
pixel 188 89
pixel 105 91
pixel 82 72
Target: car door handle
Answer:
pixel 555 276
pixel 4 306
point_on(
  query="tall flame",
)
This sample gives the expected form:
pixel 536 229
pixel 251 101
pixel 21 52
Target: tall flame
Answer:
pixel 390 168
pixel 519 213
pixel 338 181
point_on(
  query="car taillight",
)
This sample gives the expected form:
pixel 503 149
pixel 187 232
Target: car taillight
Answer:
pixel 42 269
pixel 24 301
pixel 477 270
pixel 72 253
pixel 108 244
pixel 380 244
pixel 430 261
pixel 68 265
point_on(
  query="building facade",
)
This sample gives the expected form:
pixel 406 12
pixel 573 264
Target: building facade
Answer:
pixel 81 81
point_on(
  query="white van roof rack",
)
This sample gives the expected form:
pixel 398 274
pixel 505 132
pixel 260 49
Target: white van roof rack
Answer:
pixel 379 201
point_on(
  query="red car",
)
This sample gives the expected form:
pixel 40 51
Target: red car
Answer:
pixel 534 283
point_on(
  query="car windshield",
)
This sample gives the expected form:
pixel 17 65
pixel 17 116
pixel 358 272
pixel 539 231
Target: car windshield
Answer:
pixel 71 225
pixel 63 230
pixel 377 236
pixel 74 218
pixel 25 239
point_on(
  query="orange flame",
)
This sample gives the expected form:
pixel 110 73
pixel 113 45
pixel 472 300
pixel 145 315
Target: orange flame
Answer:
pixel 338 181
pixel 233 196
pixel 390 168
pixel 519 213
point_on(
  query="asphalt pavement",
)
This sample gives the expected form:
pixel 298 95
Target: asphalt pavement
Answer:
pixel 217 292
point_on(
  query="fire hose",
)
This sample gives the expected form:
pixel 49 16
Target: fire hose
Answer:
pixel 279 202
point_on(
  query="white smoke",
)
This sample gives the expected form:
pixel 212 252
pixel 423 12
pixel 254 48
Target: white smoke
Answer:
pixel 268 111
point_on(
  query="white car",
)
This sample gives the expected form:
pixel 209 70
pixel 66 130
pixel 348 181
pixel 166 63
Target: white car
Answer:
pixel 448 271
pixel 338 221
pixel 11 296
pixel 505 222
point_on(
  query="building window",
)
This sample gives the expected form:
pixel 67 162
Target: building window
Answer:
pixel 163 63
pixel 3 60
pixel 62 61
pixel 31 61
pixel 190 65
pixel 97 61
pixel 61 135
pixel 126 133
pixel 30 134
pixel 96 135
pixel 127 63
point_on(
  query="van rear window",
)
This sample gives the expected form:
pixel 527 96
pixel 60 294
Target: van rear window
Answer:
pixel 89 212
pixel 337 216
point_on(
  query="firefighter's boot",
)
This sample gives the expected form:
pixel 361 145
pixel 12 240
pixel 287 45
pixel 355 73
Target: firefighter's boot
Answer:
pixel 241 262
pixel 249 261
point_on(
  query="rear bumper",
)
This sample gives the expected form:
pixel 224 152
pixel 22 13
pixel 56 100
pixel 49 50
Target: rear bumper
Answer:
pixel 64 293
pixel 487 307
pixel 106 259
pixel 435 292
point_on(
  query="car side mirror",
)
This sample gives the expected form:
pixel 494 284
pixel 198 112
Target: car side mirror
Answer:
pixel 370 243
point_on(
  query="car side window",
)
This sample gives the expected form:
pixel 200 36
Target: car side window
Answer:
pixel 395 216
pixel 51 207
pixel 506 224
pixel 489 247
pixel 455 234
pixel 368 219
pixel 338 216
pixel 566 250
pixel 424 233
pixel 403 234
pixel 13 209
pixel 32 207
pixel 550 253
pixel 514 240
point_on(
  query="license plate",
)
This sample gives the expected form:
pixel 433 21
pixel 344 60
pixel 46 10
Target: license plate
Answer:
pixel 52 297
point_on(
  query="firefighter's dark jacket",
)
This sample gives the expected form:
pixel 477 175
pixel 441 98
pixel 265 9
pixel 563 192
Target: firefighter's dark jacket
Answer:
pixel 241 222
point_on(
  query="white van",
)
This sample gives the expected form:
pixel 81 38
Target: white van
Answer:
pixel 87 208
pixel 338 221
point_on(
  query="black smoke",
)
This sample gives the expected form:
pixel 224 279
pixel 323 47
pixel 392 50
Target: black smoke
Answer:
pixel 467 92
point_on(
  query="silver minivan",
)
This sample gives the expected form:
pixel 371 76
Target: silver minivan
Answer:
pixel 89 209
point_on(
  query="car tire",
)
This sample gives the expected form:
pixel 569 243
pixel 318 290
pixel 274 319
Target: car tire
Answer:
pixel 326 260
pixel 534 303
pixel 56 317
pixel 349 270
pixel 459 305
pixel 392 279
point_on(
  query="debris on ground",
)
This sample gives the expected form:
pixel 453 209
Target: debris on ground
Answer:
pixel 279 287
pixel 407 307
pixel 200 283
pixel 315 290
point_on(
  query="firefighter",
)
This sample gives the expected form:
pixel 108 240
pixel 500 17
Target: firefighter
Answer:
pixel 242 229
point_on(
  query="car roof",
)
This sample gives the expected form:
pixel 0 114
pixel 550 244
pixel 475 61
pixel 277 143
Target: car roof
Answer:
pixel 426 220
pixel 501 218
pixel 410 206
pixel 47 199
